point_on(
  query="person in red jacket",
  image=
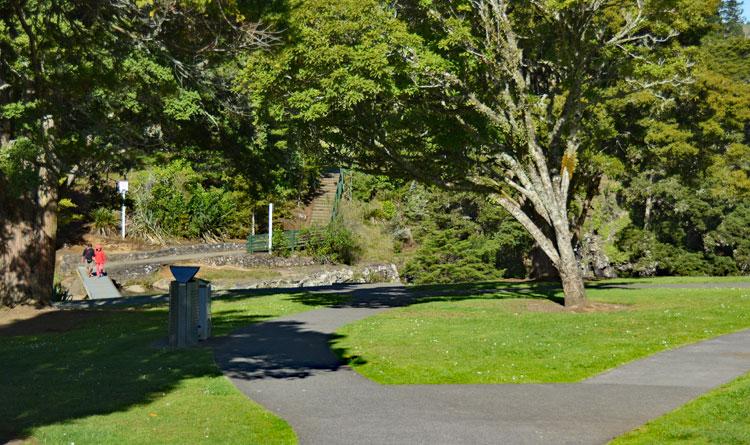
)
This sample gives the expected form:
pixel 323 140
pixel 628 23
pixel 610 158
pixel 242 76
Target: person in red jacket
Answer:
pixel 99 258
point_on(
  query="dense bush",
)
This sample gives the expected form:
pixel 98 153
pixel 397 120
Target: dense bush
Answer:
pixel 281 244
pixel 452 256
pixel 173 202
pixel 646 256
pixel 103 220
pixel 441 237
pixel 335 243
pixel 462 239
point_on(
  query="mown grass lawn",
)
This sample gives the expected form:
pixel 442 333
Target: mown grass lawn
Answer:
pixel 493 337
pixel 104 382
pixel 721 417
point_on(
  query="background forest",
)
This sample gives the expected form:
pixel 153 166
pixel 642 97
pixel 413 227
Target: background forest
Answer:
pixel 210 133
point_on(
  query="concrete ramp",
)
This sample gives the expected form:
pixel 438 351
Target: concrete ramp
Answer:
pixel 98 288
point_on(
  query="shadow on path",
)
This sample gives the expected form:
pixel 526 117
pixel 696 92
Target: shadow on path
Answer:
pixel 277 350
pixel 287 365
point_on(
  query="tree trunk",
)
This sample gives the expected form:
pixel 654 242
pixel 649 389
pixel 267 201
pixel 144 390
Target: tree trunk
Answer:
pixel 558 249
pixel 647 212
pixel 571 277
pixel 47 220
pixel 27 255
pixel 16 262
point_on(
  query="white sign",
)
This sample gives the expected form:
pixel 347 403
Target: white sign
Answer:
pixel 122 186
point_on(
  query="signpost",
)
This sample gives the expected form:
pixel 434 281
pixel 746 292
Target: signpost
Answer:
pixel 122 187
pixel 270 227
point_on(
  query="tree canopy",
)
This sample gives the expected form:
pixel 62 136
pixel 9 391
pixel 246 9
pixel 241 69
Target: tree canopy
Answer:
pixel 534 106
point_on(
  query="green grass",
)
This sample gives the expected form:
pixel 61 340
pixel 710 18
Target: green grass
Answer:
pixel 721 417
pixel 676 280
pixel 104 383
pixel 468 337
pixel 596 284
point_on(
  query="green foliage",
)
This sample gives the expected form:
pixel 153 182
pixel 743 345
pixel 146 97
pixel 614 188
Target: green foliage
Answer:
pixel 172 201
pixel 366 187
pixel 461 238
pixel 646 256
pixel 18 173
pixel 281 244
pixel 335 243
pixel 732 237
pixel 462 253
pixel 103 220
pixel 60 293
pixel 512 334
pixel 210 211
pixel 453 256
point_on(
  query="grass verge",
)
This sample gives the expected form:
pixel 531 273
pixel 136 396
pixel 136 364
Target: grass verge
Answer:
pixel 676 280
pixel 720 417
pixel 517 336
pixel 104 383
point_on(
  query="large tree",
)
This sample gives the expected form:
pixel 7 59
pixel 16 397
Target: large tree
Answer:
pixel 685 153
pixel 86 85
pixel 503 98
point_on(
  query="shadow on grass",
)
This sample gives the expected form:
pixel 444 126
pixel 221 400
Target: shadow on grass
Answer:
pixel 292 350
pixel 105 367
pixel 103 363
pixel 392 295
pixel 488 291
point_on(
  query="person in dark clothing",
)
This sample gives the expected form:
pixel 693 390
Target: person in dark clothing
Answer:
pixel 88 257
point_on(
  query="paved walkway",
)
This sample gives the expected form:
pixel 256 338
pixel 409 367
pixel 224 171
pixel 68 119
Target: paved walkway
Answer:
pixel 287 366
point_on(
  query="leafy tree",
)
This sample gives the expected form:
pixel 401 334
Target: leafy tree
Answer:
pixel 498 98
pixel 684 152
pixel 463 238
pixel 92 84
pixel 730 13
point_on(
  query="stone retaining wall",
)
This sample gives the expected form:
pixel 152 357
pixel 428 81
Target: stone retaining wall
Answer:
pixel 257 260
pixel 370 273
pixel 69 262
pixel 123 272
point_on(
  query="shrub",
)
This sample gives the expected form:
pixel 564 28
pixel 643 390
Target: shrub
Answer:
pixel 210 212
pixel 104 220
pixel 647 256
pixel 173 202
pixel 281 245
pixel 60 293
pixel 335 243
pixel 448 256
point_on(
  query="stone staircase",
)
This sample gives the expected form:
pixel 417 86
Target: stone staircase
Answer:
pixel 322 205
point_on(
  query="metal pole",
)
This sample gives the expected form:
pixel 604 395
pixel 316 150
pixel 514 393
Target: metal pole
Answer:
pixel 270 227
pixel 122 225
pixel 252 228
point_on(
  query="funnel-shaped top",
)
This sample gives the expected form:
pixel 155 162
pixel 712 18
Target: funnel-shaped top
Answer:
pixel 183 274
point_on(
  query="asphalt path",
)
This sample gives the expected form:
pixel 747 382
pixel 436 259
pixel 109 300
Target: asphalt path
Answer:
pixel 287 366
